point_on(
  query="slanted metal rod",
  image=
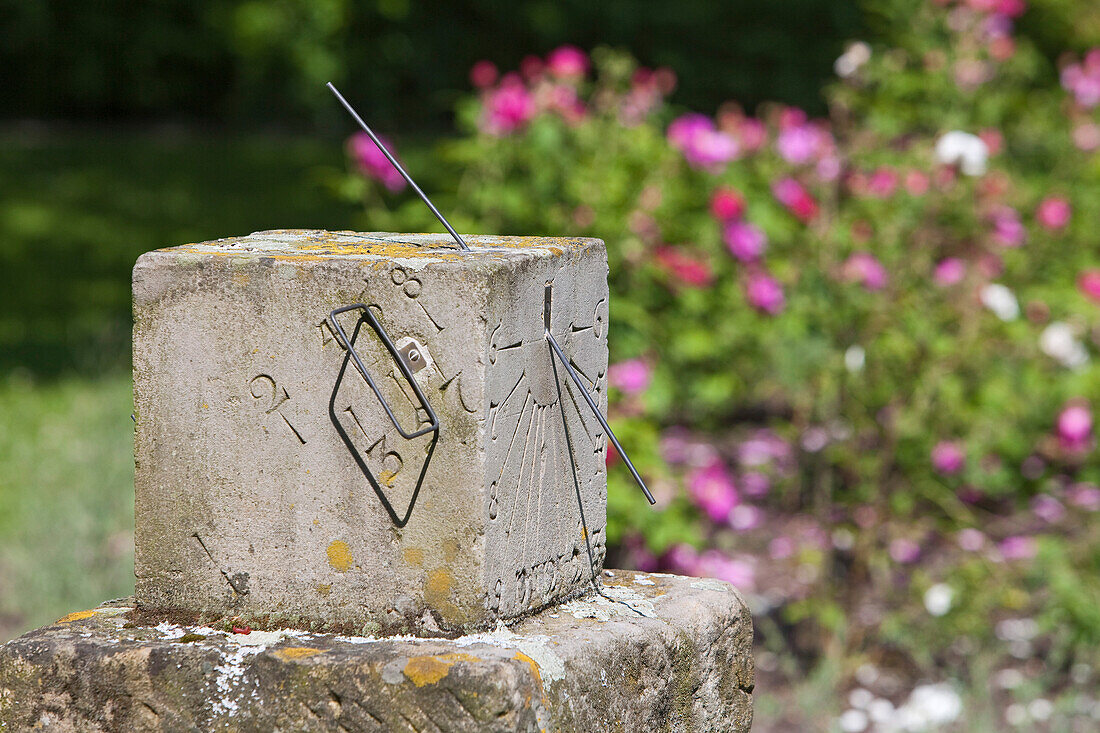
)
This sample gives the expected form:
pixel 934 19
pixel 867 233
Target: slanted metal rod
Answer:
pixel 599 415
pixel 423 196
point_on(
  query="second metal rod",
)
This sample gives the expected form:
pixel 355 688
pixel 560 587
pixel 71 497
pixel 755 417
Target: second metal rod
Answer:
pixel 599 415
pixel 393 160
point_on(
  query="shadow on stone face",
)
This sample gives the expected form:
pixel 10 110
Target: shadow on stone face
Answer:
pixel 399 520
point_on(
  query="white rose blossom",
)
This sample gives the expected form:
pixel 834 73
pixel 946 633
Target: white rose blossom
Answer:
pixel 1001 301
pixel 967 151
pixel 1059 342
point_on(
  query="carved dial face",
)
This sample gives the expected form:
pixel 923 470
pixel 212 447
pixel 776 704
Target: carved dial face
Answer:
pixel 545 451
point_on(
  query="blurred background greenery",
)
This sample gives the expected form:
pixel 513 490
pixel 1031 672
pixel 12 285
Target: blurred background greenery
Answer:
pixel 131 126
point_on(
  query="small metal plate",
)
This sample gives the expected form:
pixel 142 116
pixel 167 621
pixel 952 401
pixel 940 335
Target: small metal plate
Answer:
pixel 414 355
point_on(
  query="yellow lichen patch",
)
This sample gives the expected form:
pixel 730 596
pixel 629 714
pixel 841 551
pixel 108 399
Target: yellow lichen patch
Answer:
pixel 324 589
pixel 429 670
pixel 534 665
pixel 387 477
pixel 76 616
pixel 438 588
pixel 414 556
pixel 339 556
pixel 296 652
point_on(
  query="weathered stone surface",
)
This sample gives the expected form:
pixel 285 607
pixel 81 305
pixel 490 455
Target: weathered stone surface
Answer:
pixel 654 653
pixel 265 463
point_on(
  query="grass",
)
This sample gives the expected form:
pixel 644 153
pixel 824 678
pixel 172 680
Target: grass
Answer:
pixel 76 209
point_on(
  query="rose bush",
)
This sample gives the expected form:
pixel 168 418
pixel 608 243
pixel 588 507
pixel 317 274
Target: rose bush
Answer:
pixel 859 348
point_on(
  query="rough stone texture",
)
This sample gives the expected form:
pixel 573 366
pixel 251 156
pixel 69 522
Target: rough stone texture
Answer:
pixel 654 653
pixel 265 463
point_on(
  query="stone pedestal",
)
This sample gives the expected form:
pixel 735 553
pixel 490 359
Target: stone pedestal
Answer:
pixel 272 486
pixel 651 653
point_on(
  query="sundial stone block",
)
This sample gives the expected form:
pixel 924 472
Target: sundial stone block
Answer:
pixel 271 483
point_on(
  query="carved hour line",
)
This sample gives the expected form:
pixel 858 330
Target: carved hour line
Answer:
pixel 327 336
pixel 523 463
pixel 429 315
pixel 293 429
pixel 512 441
pixel 577 329
pixel 500 407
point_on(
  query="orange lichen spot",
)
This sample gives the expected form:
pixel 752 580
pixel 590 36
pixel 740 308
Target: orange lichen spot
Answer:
pixel 296 652
pixel 76 616
pixel 534 665
pixel 339 556
pixel 438 588
pixel 428 670
pixel 414 556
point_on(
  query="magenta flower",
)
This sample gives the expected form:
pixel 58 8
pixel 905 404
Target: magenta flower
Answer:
pixel 567 62
pixel 904 551
pixel 1053 213
pixel 688 270
pixel 752 134
pixel 1074 426
pixel 745 241
pixel 763 448
pixel 703 145
pixel 971 540
pixel 483 74
pixel 799 144
pixel 948 458
pixel 781 548
pixel 727 204
pixel 949 272
pixel 882 183
pixel 745 517
pixel 630 376
pixel 863 268
pixel 372 162
pixel 508 107
pixel 682 558
pixel 736 572
pixel 1083 80
pixel 1085 496
pixel 1047 508
pixel 755 484
pixel 1008 230
pixel 1017 547
pixel 764 293
pixel 1088 282
pixel 794 196
pixel 712 489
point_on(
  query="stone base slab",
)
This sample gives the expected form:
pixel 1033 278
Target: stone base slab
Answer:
pixel 648 653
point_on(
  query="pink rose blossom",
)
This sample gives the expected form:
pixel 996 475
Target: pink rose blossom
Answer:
pixel 801 143
pixel 1083 80
pixel 755 484
pixel 883 183
pixel 703 145
pixel 745 241
pixel 567 62
pixel 764 293
pixel 752 134
pixel 904 551
pixel 630 376
pixel 1087 136
pixel 745 517
pixel 948 458
pixel 949 271
pixel 531 68
pixel 971 540
pixel 727 204
pixel 372 162
pixel 1008 230
pixel 1047 508
pixel 682 559
pixel 863 268
pixel 735 571
pixel 483 74
pixel 508 107
pixel 763 448
pixel 917 183
pixel 794 196
pixel 1017 547
pixel 781 548
pixel 1088 282
pixel 1053 213
pixel 686 269
pixel 712 489
pixel 1074 426
pixel 1085 496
